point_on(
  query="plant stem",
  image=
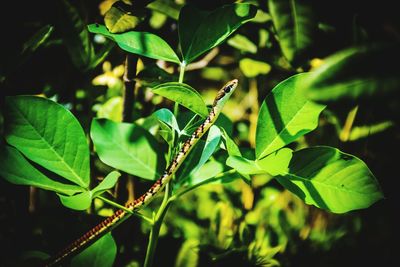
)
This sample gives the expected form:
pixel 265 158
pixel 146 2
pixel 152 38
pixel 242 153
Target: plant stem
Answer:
pixel 112 203
pixel 181 76
pixel 162 211
pixel 155 230
pixel 216 178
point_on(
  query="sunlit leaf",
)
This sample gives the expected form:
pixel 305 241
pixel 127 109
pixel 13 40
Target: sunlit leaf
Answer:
pixel 48 134
pixel 80 201
pixel 118 20
pixel 274 164
pixel 244 165
pixel 109 182
pixel 111 109
pixel 242 43
pixel 261 17
pixel 331 180
pixel 127 147
pixel 359 132
pixel 188 255
pixel 157 20
pixel 355 72
pixel 277 162
pixel 251 68
pixel 184 94
pixel 199 31
pixel 17 170
pixel 101 253
pixel 141 43
pixel 295 24
pixel 284 116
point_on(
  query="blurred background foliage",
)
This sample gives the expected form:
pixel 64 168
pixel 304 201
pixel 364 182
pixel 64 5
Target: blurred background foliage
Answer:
pixel 47 50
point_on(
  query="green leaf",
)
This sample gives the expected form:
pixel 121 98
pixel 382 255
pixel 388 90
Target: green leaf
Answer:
pixel 207 171
pixel 101 253
pixel 166 7
pixel 141 43
pixel 199 31
pixel 168 124
pixel 212 142
pixel 118 20
pixel 194 162
pixel 243 165
pixel 275 164
pixel 330 179
pixel 355 72
pixel 80 201
pixel 358 132
pixel 295 25
pixel 75 36
pixel 251 68
pixel 37 39
pixel 109 182
pixel 100 55
pixel 166 116
pixel 184 94
pixel 230 145
pixel 48 134
pixel 188 255
pixel 17 170
pixel 284 116
pixel 233 150
pixel 242 43
pixel 127 147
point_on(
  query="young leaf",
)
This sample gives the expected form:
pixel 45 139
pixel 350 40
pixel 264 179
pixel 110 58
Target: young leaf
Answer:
pixel 141 43
pixel 284 116
pixel 330 179
pixel 48 134
pixel 183 94
pixel 109 181
pixel 101 253
pixel 199 31
pixel 295 25
pixel 17 170
pixel 127 147
pixel 79 201
pixel 167 117
pixel 355 72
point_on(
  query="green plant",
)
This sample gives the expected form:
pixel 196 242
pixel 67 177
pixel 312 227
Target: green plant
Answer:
pixel 46 146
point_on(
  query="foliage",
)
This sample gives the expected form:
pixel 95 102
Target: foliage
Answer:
pixel 265 187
